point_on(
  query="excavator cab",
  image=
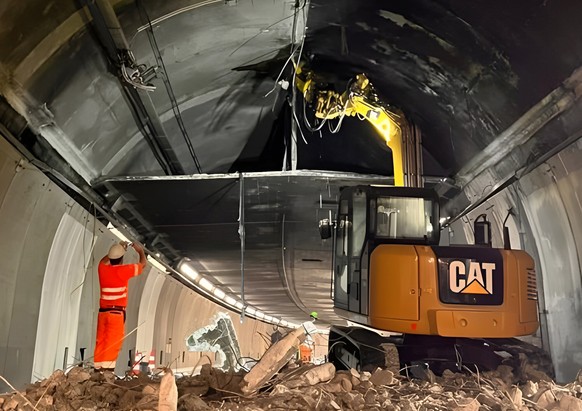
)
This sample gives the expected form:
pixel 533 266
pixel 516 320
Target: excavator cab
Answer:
pixel 369 216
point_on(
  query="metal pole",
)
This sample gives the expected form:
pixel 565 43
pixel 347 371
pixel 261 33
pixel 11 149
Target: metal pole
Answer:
pixel 65 358
pixel 241 233
pixel 419 163
pixel 333 245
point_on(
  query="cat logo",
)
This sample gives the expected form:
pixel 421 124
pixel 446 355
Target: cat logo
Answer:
pixel 471 277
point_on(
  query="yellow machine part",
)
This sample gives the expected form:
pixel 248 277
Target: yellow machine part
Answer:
pixel 404 297
pixel 360 102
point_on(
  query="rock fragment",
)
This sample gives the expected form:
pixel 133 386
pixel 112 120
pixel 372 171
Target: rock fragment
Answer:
pixel 545 399
pixel 272 361
pixel 77 375
pixel 467 405
pixel 192 402
pixel 570 403
pixel 516 397
pixel 529 389
pixel 306 388
pixel 321 373
pixel 168 395
pixel 382 377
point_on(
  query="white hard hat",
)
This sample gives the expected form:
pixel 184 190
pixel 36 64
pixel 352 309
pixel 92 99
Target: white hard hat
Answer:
pixel 116 251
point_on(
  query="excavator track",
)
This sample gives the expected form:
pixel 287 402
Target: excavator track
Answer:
pixel 365 350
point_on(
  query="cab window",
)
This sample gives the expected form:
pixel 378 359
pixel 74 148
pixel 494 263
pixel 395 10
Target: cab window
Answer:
pixel 404 217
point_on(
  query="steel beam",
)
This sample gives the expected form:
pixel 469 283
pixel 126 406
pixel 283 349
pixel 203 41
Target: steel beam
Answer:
pixel 117 50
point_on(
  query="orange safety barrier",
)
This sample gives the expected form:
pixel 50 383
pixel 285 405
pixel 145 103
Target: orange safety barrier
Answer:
pixel 305 353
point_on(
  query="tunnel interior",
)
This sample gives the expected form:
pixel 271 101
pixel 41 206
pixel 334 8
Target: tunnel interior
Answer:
pixel 179 123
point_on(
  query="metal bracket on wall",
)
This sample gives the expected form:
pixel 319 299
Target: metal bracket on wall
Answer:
pixel 117 50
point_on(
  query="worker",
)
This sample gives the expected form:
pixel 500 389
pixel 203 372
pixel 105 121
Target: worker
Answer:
pixel 113 281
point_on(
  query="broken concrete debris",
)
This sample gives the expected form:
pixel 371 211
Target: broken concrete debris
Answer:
pixel 168 397
pixel 277 383
pixel 306 387
pixel 273 360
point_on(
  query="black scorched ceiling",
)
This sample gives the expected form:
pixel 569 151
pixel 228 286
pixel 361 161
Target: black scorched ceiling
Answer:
pixel 463 70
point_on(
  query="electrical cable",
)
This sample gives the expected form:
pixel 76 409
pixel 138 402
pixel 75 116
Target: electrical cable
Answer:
pixel 342 116
pixel 169 89
pixel 338 126
pixel 241 233
pixel 333 345
pixel 293 51
pixel 92 258
pixel 258 34
pixel 298 125
pixel 281 72
pixel 306 121
pixel 295 65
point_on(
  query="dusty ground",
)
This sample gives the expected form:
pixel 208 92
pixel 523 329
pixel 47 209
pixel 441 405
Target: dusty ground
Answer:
pixel 303 388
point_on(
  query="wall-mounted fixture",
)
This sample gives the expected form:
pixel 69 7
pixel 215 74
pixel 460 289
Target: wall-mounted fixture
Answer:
pixel 198 280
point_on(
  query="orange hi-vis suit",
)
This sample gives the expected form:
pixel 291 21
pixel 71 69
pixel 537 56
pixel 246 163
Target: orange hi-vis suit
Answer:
pixel 113 280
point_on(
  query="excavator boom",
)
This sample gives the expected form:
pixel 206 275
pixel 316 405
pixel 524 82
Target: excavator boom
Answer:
pixel 359 100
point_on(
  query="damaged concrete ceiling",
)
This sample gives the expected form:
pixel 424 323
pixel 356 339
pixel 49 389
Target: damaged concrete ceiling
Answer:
pixel 462 71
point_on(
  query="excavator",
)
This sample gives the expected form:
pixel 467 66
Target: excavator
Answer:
pixel 413 303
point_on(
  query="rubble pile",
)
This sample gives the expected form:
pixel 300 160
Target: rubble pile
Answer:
pixel 305 387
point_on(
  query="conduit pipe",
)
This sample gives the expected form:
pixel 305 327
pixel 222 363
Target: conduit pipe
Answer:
pixel 555 103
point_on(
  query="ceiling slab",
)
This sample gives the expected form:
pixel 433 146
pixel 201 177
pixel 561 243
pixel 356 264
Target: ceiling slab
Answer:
pixel 286 264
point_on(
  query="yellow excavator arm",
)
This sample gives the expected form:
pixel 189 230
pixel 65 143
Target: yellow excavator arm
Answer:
pixel 358 100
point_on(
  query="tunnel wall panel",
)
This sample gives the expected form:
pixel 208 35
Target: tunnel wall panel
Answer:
pixel 50 248
pixel 148 306
pixel 550 197
pixel 61 297
pixel 567 170
pixel 30 212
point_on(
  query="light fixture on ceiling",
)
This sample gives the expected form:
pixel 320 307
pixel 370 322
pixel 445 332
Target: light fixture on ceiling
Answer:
pixel 207 285
pixel 156 264
pixel 188 270
pixel 221 295
pixel 117 233
pixel 444 220
pixel 204 284
pixel 195 278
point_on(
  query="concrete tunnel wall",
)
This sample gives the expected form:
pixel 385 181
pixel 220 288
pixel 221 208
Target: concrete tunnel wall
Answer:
pixel 49 292
pixel 548 225
pixel 37 219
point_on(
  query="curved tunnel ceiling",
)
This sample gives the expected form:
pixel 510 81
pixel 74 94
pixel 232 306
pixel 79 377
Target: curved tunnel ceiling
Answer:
pixel 464 72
